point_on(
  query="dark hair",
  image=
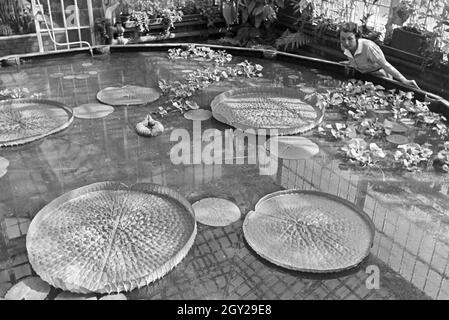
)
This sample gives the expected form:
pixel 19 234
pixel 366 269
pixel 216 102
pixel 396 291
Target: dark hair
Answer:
pixel 351 27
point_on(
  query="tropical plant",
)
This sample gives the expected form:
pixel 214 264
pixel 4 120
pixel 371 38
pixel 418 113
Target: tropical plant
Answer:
pixel 143 12
pixel 442 158
pixel 412 156
pixel 179 92
pixel 14 16
pixel 359 151
pixel 292 39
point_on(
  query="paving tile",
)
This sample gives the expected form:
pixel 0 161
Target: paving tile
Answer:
pixel 414 239
pixel 407 266
pixel 426 248
pixel 402 231
pixel 4 287
pixel 379 216
pixel 420 275
pixel 370 205
pixel 4 276
pixel 439 262
pixel 9 222
pixel 13 232
pixel 433 284
pixel 395 257
pixel 22 271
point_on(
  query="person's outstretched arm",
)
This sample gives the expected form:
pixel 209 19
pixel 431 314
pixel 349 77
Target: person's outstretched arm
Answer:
pixel 376 54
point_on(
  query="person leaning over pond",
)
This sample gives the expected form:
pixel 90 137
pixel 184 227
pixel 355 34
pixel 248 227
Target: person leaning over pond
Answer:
pixel 366 56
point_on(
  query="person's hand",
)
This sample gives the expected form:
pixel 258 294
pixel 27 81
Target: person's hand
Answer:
pixel 411 83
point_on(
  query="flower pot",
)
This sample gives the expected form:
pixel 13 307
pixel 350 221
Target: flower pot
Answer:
pixel 407 41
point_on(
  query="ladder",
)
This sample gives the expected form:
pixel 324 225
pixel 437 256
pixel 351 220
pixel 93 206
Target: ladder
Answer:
pixel 39 16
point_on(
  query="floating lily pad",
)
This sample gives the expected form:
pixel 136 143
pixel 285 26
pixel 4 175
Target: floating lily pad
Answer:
pixel 216 212
pixel 398 128
pixel 307 90
pixel 82 76
pixel 198 115
pixel 87 64
pixel 127 95
pixel 290 147
pixel 69 77
pixel 119 296
pixel 31 288
pixel 397 139
pixel 74 296
pixel 187 71
pixel 293 76
pixel 92 111
pixel 92 72
pixel 309 231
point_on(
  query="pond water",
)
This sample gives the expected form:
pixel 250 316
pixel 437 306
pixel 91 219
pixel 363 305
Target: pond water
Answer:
pixel 409 210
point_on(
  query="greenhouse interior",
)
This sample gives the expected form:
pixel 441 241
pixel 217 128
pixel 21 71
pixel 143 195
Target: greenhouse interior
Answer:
pixel 224 150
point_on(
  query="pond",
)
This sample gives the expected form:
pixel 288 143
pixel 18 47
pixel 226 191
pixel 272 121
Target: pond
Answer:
pixel 409 209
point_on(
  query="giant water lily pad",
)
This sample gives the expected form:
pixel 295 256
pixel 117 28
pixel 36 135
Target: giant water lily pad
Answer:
pixel 127 95
pixel 309 231
pixel 107 237
pixel 31 288
pixel 26 120
pixel 277 110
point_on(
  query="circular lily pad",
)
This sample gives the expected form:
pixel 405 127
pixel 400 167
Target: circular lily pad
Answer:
pixel 119 296
pixel 198 115
pixel 277 110
pixel 69 77
pixel 92 111
pixel 82 76
pixel 290 147
pixel 31 288
pixel 127 95
pixel 87 64
pixel 397 139
pixel 309 231
pixel 57 75
pixel 307 90
pixel 26 120
pixel 293 76
pixel 107 237
pixel 92 72
pixel 216 212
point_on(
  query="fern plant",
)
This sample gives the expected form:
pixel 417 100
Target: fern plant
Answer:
pixel 294 40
